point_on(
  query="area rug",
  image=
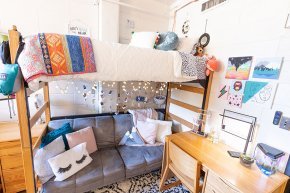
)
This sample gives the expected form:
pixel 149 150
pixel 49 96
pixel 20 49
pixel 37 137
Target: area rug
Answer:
pixel 147 183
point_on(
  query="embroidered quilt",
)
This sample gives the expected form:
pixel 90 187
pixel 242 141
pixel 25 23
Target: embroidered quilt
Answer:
pixel 54 54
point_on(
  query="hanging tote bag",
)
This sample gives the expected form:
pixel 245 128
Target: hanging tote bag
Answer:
pixel 10 78
pixel 10 74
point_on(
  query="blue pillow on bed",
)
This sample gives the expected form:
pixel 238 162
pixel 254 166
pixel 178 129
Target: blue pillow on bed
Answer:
pixel 52 135
pixel 167 41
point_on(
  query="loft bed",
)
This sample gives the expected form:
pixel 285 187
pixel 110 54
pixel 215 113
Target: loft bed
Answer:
pixel 26 122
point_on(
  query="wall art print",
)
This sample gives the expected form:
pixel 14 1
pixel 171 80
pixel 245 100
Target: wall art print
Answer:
pixel 267 68
pixel 239 68
pixel 260 93
pixel 235 100
pixel 237 87
pixel 223 91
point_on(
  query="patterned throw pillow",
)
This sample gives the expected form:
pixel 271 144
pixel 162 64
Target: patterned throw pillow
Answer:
pixel 70 162
pixel 81 136
pixel 41 165
pixel 52 135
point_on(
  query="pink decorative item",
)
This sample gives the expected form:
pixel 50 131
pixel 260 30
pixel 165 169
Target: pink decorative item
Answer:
pixel 148 131
pixel 212 65
pixel 81 136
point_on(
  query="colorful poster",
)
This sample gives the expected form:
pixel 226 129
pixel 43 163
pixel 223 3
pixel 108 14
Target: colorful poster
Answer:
pixel 239 68
pixel 261 93
pixel 237 87
pixel 268 68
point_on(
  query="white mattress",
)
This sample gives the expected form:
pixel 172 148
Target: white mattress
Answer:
pixel 118 62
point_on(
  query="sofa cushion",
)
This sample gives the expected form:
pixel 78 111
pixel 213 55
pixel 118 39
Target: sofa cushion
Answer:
pixel 66 186
pixel 81 123
pixel 123 123
pixel 134 160
pixel 90 177
pixel 153 154
pixel 113 166
pixel 104 131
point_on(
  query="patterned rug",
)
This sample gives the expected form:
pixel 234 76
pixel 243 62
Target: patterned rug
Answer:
pixel 148 183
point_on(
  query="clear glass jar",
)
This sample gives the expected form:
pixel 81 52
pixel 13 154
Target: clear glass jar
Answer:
pixel 267 158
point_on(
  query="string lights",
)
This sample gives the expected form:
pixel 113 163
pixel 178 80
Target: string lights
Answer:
pixel 118 96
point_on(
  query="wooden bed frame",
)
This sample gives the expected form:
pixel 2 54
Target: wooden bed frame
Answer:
pixel 26 122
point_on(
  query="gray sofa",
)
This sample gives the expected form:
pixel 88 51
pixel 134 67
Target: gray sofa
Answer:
pixel 111 163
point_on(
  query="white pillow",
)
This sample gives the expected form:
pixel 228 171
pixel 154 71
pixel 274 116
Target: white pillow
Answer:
pixel 143 39
pixel 147 131
pixel 185 45
pixel 70 162
pixel 163 129
pixel 41 165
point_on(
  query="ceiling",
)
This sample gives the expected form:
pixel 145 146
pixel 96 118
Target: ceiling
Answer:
pixel 168 2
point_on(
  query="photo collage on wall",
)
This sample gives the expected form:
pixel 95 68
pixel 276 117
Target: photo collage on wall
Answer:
pixel 239 90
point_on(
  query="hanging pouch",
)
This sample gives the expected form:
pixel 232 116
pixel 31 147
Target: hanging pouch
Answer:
pixel 10 78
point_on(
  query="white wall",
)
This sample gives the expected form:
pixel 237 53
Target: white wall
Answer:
pixel 246 28
pixel 156 17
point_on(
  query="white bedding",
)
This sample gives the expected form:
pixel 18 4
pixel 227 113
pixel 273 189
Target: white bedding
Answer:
pixel 118 62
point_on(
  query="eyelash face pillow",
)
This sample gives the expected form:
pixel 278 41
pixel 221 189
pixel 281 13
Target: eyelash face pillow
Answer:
pixel 81 136
pixel 70 162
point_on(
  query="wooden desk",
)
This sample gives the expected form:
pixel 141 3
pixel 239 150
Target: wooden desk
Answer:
pixel 11 164
pixel 225 174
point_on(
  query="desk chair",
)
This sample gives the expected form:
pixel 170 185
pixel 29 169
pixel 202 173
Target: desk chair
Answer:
pixel 183 166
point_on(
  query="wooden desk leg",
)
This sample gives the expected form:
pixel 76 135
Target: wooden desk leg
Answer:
pixel 165 165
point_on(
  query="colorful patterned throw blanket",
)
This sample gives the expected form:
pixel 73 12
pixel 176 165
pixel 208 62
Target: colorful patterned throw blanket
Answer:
pixel 54 54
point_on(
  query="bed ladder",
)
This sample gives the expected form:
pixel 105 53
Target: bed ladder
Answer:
pixel 25 121
pixel 193 89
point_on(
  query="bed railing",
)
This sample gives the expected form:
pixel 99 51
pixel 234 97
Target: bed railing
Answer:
pixel 25 122
pixel 193 89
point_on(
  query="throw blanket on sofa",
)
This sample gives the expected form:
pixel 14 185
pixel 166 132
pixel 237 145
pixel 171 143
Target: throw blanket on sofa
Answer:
pixel 54 54
pixel 143 114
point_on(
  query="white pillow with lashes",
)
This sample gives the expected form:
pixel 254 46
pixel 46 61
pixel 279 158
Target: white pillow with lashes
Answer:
pixel 70 162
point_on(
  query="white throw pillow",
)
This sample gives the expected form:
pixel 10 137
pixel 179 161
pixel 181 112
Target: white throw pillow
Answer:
pixel 41 165
pixel 70 162
pixel 185 45
pixel 163 129
pixel 143 39
pixel 147 131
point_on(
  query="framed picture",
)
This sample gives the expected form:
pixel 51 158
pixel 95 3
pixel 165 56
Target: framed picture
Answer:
pixel 239 68
pixel 267 68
